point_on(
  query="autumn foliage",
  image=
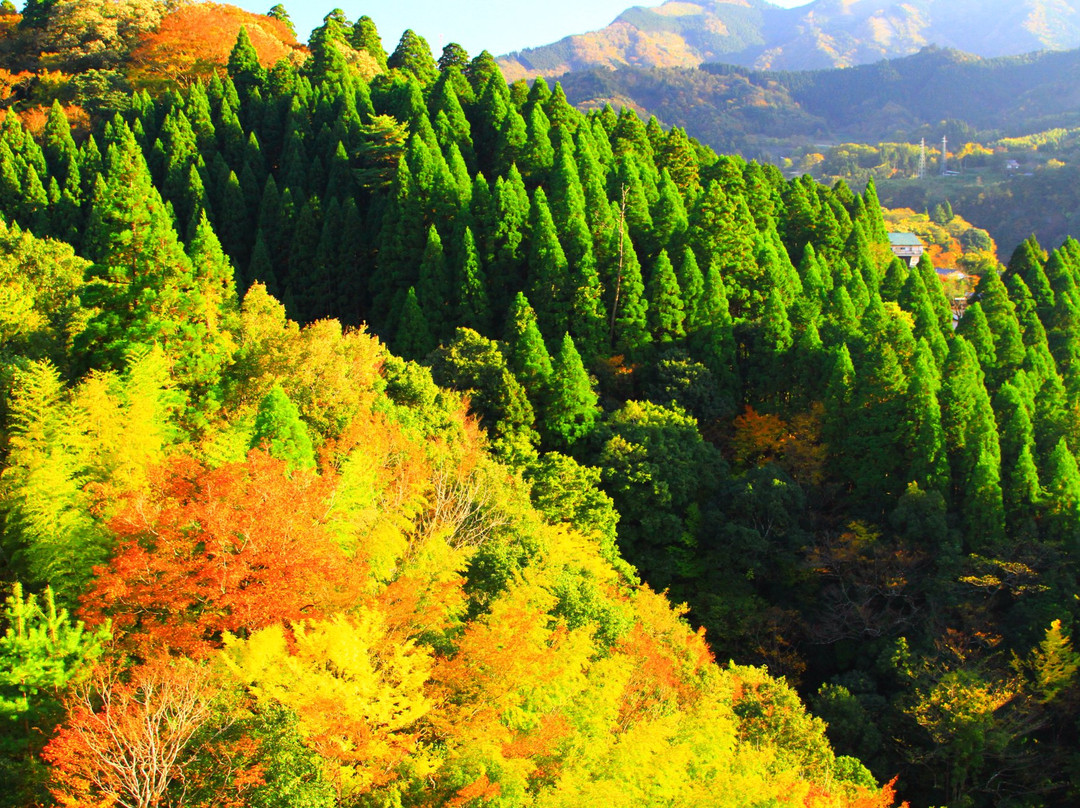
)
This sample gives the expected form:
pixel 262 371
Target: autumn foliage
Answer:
pixel 195 40
pixel 35 118
pixel 339 599
pixel 312 579
pixel 231 549
pixel 130 737
pixel 794 445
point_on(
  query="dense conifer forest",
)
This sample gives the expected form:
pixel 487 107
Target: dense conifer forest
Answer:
pixel 356 407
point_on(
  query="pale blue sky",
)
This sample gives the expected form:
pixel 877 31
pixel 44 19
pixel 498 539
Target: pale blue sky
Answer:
pixel 499 26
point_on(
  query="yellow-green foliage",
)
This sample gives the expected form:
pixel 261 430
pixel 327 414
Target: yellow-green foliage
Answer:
pixel 40 281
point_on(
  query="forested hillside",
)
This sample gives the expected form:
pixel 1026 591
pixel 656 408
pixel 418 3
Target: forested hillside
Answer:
pixel 318 582
pixel 1011 125
pixel 934 92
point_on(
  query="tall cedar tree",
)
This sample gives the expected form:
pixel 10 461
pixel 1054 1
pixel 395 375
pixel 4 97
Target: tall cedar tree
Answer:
pixel 666 315
pixel 570 410
pixel 974 451
pixel 527 356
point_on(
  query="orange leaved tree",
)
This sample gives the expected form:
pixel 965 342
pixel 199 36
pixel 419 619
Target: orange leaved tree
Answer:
pixel 128 740
pixel 235 549
pixel 195 40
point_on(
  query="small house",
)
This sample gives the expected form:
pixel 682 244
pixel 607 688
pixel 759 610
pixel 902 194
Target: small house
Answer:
pixel 907 247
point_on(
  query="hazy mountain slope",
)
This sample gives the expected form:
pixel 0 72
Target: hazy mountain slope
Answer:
pixel 731 108
pixel 676 34
pixel 825 33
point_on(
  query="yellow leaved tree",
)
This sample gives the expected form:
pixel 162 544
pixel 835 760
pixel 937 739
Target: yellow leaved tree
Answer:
pixel 358 693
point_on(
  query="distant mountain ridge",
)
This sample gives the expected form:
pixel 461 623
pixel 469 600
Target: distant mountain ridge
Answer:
pixel 822 34
pixel 737 109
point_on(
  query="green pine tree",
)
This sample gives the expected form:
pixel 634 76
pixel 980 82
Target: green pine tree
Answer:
pixel 571 410
pixel 474 310
pixel 626 303
pixel 526 353
pixel 244 68
pixel 434 289
pixel 537 155
pixel 925 438
pixel 1062 506
pixel 974 328
pixel 413 55
pixel 692 284
pixel 666 315
pixel 974 449
pixel 42 651
pixel 669 217
pixel 141 276
pixel 413 338
pixel 280 431
pixel 365 37
pixel 548 270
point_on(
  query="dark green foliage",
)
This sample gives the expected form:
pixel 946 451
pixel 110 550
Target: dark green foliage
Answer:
pixel 669 215
pixel 35 13
pixel 626 185
pixel 853 717
pixel 972 440
pixel 1020 476
pixel 925 438
pixel 475 365
pixel 1063 498
pixel 548 270
pixel 328 65
pixel 474 310
pixel 721 229
pixel 261 267
pixel 692 285
pixel 678 380
pixel 656 466
pixel 537 156
pixel 142 279
pixel 875 229
pixel 413 338
pixel 435 289
pixel 527 356
pixel 974 328
pixel 453 55
pixel 1001 320
pixel 365 37
pixel 626 302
